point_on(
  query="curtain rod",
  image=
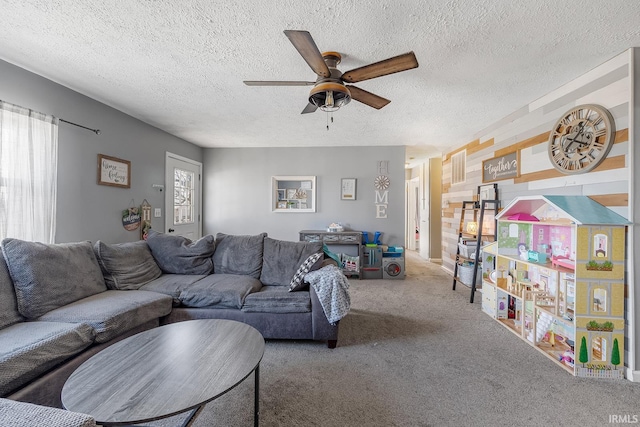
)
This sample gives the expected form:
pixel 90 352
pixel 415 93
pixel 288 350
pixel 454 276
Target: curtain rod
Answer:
pixel 96 131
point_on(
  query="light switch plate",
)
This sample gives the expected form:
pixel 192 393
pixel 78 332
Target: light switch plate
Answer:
pixel 157 213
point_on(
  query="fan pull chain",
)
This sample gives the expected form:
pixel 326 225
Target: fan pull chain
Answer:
pixel 328 119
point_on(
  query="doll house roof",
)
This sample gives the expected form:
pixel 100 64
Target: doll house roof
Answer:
pixel 577 209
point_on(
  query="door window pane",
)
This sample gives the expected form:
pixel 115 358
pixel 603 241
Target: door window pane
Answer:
pixel 183 189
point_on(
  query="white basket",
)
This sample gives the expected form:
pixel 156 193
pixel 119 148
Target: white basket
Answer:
pixel 465 272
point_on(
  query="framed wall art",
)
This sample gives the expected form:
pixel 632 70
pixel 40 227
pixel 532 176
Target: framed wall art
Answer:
pixel 293 193
pixel 487 192
pixel 114 172
pixel 348 189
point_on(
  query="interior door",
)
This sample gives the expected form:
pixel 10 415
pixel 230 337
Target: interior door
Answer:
pixel 183 205
pixel 413 220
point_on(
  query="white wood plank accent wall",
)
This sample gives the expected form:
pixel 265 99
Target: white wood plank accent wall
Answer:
pixel 527 131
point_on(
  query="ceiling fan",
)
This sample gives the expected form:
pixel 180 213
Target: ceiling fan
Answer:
pixel 329 91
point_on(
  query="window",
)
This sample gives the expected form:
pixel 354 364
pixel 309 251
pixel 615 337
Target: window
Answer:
pixel 459 167
pixel 600 246
pixel 28 170
pixel 183 202
pixel 599 300
pixel 599 349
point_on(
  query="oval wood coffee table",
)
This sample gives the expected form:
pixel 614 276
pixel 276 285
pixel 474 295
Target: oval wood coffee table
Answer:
pixel 166 371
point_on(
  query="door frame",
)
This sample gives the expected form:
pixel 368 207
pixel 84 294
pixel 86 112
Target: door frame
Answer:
pixel 168 198
pixel 413 198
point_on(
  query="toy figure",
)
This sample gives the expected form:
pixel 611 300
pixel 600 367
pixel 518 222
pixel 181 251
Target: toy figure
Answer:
pixel 523 252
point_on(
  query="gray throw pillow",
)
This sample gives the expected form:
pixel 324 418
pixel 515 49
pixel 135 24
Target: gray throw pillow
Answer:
pixel 239 254
pixel 49 276
pixel 8 305
pixel 179 255
pixel 282 259
pixel 126 266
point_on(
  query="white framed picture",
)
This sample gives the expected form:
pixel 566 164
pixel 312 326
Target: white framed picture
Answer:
pixel 487 192
pixel 348 189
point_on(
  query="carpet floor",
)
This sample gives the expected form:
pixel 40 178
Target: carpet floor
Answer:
pixel 415 353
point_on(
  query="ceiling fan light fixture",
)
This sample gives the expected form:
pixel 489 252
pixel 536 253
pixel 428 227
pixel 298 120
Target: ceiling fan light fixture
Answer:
pixel 329 96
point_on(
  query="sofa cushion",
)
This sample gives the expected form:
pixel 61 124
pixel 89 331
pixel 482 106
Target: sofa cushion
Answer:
pixel 21 414
pixel 179 255
pixel 277 299
pixel 28 349
pixel 171 284
pixel 239 254
pixel 282 259
pixel 112 313
pixel 219 290
pixel 8 305
pixel 297 282
pixel 126 266
pixel 48 276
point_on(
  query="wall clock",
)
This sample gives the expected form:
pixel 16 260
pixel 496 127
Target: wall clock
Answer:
pixel 381 182
pixel 581 139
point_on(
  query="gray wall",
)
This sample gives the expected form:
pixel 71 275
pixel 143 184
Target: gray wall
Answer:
pixel 85 210
pixel 237 190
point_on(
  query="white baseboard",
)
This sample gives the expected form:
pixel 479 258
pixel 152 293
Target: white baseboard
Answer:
pixel 446 269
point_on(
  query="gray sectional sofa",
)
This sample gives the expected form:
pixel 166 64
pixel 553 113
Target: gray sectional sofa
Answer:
pixel 62 303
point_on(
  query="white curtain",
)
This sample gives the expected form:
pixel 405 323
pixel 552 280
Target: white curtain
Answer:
pixel 28 171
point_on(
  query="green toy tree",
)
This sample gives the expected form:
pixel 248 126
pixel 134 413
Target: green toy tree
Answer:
pixel 615 354
pixel 584 354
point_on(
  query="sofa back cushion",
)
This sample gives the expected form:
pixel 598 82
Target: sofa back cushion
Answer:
pixel 179 255
pixel 8 305
pixel 126 266
pixel 282 259
pixel 49 276
pixel 239 254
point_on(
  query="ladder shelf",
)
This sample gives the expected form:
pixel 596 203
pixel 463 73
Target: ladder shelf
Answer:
pixel 475 225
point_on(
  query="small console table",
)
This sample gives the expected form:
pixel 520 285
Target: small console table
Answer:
pixel 353 238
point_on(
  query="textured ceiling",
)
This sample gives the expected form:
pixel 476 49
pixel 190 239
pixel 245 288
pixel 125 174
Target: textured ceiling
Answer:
pixel 179 65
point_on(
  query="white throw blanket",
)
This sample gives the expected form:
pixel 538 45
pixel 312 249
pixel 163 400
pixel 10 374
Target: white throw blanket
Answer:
pixel 332 288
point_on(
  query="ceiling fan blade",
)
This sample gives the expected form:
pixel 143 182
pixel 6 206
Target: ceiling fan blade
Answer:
pixel 396 64
pixel 368 98
pixel 305 45
pixel 276 83
pixel 310 108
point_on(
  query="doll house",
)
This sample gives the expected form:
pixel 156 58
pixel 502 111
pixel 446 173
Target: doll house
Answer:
pixel 558 281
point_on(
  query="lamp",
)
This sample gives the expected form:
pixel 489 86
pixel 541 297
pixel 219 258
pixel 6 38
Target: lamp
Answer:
pixel 472 227
pixel 329 96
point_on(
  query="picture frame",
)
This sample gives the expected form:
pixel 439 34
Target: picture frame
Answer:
pixel 301 194
pixel 348 189
pixel 113 171
pixel 298 192
pixel 487 192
